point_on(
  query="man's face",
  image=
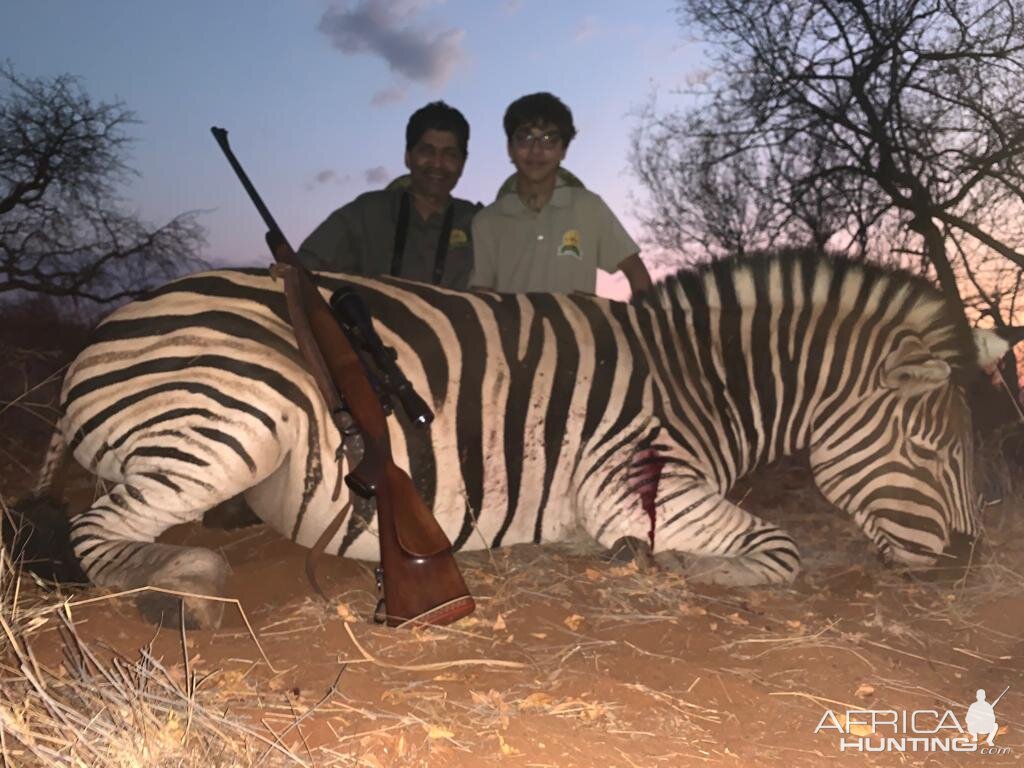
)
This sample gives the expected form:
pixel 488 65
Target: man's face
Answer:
pixel 536 151
pixel 435 163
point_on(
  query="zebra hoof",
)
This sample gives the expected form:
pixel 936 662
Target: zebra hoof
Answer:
pixel 165 610
pixel 731 571
pixel 670 560
pixel 723 572
pixel 198 572
pixel 630 549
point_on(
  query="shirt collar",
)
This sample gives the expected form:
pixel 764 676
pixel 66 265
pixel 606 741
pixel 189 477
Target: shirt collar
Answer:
pixel 414 216
pixel 560 198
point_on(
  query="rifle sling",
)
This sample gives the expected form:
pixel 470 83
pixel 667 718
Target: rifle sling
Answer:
pixel 304 336
pixel 402 233
pixel 318 370
pixel 311 354
pixel 314 553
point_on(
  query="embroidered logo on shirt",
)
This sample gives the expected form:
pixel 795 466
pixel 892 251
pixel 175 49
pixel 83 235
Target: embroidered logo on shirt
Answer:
pixel 459 239
pixel 571 244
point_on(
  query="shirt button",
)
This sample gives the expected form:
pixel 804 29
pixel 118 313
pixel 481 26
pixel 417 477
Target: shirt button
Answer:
pixel 540 237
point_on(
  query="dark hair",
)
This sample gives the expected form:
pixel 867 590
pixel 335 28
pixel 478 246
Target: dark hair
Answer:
pixel 539 109
pixel 437 116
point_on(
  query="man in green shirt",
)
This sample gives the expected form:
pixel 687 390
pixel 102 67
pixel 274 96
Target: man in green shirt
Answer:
pixel 545 232
pixel 415 230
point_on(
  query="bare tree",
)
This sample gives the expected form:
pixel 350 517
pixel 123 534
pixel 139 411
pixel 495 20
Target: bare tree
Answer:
pixel 62 228
pixel 904 116
pixel 714 181
pixel 706 188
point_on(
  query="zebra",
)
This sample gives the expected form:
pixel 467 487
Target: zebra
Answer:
pixel 553 413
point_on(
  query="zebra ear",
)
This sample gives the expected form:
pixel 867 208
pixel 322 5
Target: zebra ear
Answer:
pixel 912 369
pixel 991 347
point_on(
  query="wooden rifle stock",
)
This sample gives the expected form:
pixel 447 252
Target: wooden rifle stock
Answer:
pixel 421 582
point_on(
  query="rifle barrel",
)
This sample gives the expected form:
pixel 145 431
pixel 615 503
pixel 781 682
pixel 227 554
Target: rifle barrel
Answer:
pixel 221 135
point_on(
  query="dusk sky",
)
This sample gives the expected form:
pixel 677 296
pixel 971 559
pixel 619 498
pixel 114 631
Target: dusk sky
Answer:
pixel 316 94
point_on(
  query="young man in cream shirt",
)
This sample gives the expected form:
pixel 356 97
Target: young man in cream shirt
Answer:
pixel 545 232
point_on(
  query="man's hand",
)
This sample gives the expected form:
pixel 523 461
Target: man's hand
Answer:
pixel 637 274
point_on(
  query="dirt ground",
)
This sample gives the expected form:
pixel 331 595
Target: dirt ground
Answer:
pixel 571 660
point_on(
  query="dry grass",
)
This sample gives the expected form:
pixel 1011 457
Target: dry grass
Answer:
pixel 101 709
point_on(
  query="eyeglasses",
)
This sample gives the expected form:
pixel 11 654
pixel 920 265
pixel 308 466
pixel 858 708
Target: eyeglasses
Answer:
pixel 546 140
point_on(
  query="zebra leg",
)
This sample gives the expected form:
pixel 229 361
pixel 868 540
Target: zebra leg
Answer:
pixel 720 542
pixel 630 549
pixel 114 540
pixel 715 541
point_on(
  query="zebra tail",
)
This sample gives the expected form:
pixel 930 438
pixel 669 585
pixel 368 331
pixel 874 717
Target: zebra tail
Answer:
pixel 56 453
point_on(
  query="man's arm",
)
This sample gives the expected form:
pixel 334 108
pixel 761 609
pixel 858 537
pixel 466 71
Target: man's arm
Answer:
pixel 484 256
pixel 636 273
pixel 617 251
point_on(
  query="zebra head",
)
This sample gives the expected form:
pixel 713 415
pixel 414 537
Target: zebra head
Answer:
pixel 900 460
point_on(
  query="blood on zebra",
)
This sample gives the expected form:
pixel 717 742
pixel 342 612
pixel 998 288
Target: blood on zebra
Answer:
pixel 647 466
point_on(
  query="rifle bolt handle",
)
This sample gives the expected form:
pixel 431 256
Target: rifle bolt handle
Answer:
pixel 360 485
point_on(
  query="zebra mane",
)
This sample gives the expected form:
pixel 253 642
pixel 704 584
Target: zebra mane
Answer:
pixel 942 326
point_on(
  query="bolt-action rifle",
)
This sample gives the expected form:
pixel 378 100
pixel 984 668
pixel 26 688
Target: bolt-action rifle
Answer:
pixel 421 580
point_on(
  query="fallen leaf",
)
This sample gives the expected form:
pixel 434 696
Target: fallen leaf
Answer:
pixel 857 729
pixel 396 696
pixel 499 623
pixel 573 622
pixel 506 748
pixel 437 732
pixel 795 624
pixel 345 613
pixel 629 569
pixel 536 701
pixel 735 618
pixel 864 690
pixel 585 710
pixel 539 635
pixel 692 610
pixel 593 575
